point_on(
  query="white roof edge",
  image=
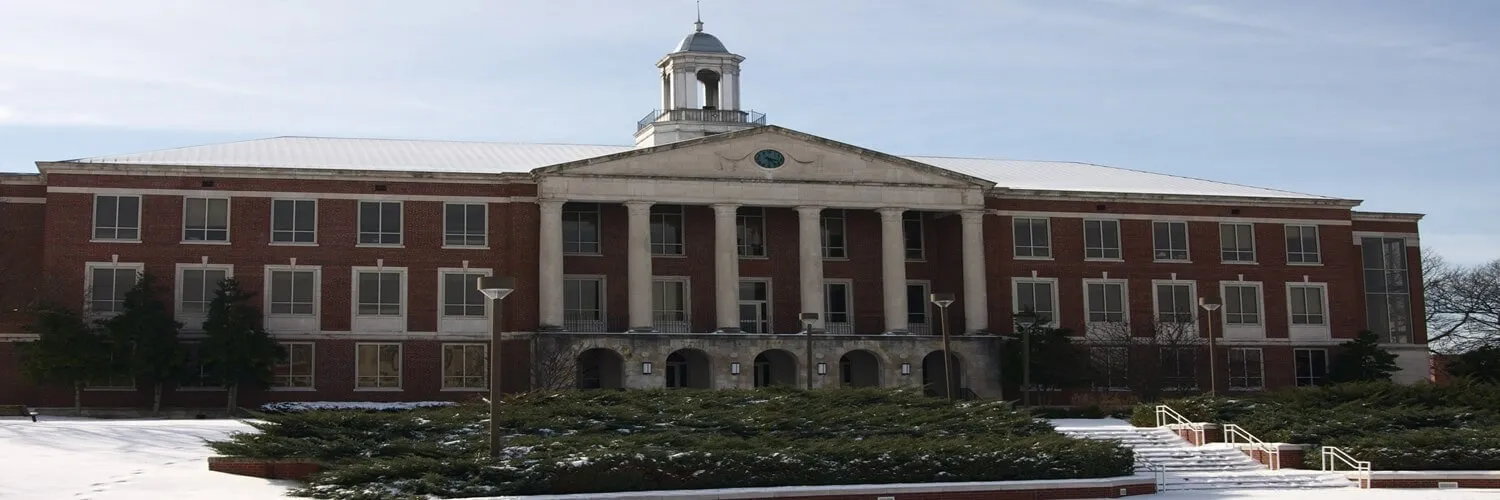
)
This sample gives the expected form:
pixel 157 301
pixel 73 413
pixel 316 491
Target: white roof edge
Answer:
pixel 1388 216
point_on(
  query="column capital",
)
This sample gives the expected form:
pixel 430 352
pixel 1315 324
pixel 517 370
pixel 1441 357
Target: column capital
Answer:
pixel 551 203
pixel 810 209
pixel 726 209
pixel 972 216
pixel 638 207
pixel 891 212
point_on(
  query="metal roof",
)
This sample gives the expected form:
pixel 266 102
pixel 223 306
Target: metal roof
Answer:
pixel 701 42
pixel 499 157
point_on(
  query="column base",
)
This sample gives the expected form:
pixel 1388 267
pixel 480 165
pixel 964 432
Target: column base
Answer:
pixel 897 332
pixel 550 329
pixel 641 329
pixel 728 329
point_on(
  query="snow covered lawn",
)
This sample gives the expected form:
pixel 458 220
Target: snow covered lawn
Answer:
pixel 87 459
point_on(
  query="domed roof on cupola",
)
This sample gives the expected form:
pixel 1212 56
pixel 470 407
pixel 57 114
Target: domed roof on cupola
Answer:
pixel 698 41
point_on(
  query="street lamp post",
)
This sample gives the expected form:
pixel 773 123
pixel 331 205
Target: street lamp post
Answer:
pixel 495 288
pixel 1209 304
pixel 943 300
pixel 1026 319
pixel 807 321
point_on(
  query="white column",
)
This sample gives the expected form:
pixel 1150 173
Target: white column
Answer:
pixel 893 268
pixel 976 300
pixel 550 265
pixel 639 264
pixel 726 268
pixel 810 258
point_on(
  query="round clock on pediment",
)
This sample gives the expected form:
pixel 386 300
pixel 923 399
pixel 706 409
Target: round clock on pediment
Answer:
pixel 769 158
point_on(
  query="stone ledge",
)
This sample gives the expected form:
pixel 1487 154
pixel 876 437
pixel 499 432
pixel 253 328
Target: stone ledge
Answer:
pixel 1060 489
pixel 1431 478
pixel 297 469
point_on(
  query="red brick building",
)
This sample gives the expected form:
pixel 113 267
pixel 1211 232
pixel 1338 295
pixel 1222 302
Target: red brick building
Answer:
pixel 687 259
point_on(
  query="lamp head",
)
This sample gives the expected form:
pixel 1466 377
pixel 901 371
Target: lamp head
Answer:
pixel 809 317
pixel 942 299
pixel 496 287
pixel 1209 303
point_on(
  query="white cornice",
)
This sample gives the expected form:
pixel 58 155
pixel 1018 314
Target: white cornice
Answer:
pixel 1387 216
pixel 1173 218
pixel 290 173
pixel 1174 199
pixel 21 179
pixel 287 194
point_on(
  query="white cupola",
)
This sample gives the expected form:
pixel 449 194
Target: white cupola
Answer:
pixel 700 93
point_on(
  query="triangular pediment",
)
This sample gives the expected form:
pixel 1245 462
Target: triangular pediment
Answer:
pixel 733 156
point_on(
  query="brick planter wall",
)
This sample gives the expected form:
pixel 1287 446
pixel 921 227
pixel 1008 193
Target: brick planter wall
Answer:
pixel 292 468
pixel 1291 455
pixel 1430 479
pixel 1211 433
pixel 1116 487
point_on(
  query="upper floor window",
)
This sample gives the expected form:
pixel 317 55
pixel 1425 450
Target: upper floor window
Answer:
pixel 1174 302
pixel 669 305
pixel 583 304
pixel 1101 239
pixel 1033 238
pixel 117 218
pixel 293 292
pixel 1169 240
pixel 580 228
pixel 1307 304
pixel 750 231
pixel 461 295
pixel 378 293
pixel 911 231
pixel 107 285
pixel 1105 301
pixel 1040 296
pixel 1237 242
pixel 380 223
pixel 1302 245
pixel 294 221
pixel 1242 304
pixel 464 225
pixel 205 219
pixel 834 242
pixel 196 287
pixel 666 230
pixel 1387 297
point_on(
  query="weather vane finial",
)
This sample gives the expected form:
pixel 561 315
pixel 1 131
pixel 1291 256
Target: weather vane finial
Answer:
pixel 699 24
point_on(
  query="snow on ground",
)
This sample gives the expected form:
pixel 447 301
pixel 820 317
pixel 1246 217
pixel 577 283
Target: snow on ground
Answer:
pixel 1088 423
pixel 89 459
pixel 297 406
pixel 1328 494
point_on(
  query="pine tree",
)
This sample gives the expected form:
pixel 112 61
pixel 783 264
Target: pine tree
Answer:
pixel 67 350
pixel 1363 360
pixel 238 352
pixel 145 334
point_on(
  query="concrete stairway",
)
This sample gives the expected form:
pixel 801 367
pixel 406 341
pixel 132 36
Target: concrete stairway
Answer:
pixel 1188 467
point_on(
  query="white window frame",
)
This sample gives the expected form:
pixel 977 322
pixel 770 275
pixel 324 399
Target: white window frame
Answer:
pixel 661 211
pixel 312 364
pixel 1187 242
pixel 228 218
pixel 460 324
pixel 921 250
pixel 1316 380
pixel 88 283
pixel 744 217
pixel 484 378
pixel 770 322
pixel 1317 239
pixel 1321 331
pixel 194 321
pixel 484 234
pixel 927 328
pixel 1046 246
pixel 592 326
pixel 1261 358
pixel 1088 305
pixel 359 219
pixel 140 208
pixel 1177 363
pixel 597 242
pixel 825 221
pixel 1235 227
pixel 1118 248
pixel 686 325
pixel 294 231
pixel 842 327
pixel 288 322
pixel 1015 298
pixel 378 323
pixel 400 367
pixel 1156 312
pixel 1255 330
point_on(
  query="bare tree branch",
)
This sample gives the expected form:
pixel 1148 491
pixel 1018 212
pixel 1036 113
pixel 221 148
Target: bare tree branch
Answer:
pixel 1147 356
pixel 554 363
pixel 1463 304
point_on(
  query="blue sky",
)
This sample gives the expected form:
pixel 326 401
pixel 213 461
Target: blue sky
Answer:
pixel 1393 102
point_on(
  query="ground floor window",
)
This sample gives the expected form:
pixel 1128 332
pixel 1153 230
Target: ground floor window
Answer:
pixel 377 366
pixel 1246 369
pixel 1180 368
pixel 195 369
pixel 464 366
pixel 1311 366
pixel 917 304
pixel 755 306
pixel 1111 365
pixel 296 372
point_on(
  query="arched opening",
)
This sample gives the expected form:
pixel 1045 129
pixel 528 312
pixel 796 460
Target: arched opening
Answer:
pixel 689 368
pixel 601 368
pixel 775 367
pixel 708 86
pixel 859 369
pixel 932 375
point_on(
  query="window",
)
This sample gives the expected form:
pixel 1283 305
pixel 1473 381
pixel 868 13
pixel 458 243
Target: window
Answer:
pixel 834 241
pixel 1033 240
pixel 666 230
pixel 196 372
pixel 1307 304
pixel 838 316
pixel 293 292
pixel 380 223
pixel 464 225
pixel 117 218
pixel 377 366
pixel 669 305
pixel 911 231
pixel 1302 245
pixel 294 221
pixel 205 219
pixel 1311 366
pixel 1245 369
pixel 755 306
pixel 461 296
pixel 379 293
pixel 1101 239
pixel 750 230
pixel 296 372
pixel 1179 368
pixel 1237 242
pixel 196 287
pixel 1174 302
pixel 583 304
pixel 1039 295
pixel 1111 365
pixel 1169 240
pixel 1105 301
pixel 917 307
pixel 1242 304
pixel 117 376
pixel 465 366
pixel 108 284
pixel 1387 303
pixel 580 228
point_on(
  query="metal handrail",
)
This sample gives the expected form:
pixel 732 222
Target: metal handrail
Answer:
pixel 1333 455
pixel 1157 470
pixel 1165 413
pixel 1273 454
